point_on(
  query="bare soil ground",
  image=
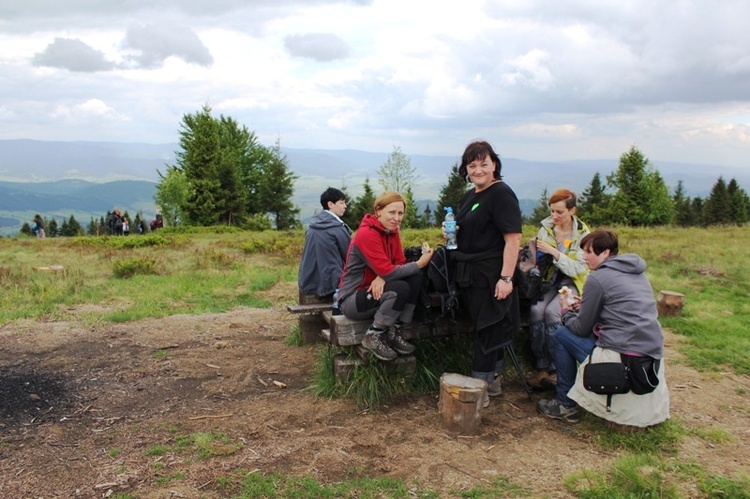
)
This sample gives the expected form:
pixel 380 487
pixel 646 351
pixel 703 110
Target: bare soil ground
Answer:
pixel 81 405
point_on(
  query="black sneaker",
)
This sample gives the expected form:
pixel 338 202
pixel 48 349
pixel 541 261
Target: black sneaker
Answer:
pixel 552 409
pixel 373 341
pixel 398 343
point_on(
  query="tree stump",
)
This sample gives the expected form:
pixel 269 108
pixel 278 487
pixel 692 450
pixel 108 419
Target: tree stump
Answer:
pixel 670 303
pixel 460 402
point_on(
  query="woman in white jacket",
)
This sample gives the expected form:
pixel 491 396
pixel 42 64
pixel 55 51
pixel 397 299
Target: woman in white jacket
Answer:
pixel 559 240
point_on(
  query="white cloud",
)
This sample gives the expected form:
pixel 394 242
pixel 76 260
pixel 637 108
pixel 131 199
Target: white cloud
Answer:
pixel 323 47
pixel 576 79
pixel 155 42
pixel 73 55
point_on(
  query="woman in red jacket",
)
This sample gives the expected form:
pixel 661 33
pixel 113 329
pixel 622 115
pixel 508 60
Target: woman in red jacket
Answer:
pixel 377 281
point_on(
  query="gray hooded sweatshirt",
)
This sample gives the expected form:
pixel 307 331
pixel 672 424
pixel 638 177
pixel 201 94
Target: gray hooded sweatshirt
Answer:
pixel 618 306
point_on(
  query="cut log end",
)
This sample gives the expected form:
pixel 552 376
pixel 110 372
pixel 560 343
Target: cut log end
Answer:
pixel 670 303
pixel 460 402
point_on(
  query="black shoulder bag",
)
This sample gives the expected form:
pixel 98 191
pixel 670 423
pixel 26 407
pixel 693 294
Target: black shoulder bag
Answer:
pixel 606 378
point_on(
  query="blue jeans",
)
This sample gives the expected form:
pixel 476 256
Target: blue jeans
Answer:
pixel 570 350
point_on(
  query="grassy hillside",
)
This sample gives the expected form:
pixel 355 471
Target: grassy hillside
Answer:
pixel 166 273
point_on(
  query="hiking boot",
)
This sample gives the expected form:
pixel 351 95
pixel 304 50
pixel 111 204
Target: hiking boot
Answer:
pixel 494 389
pixel 549 382
pixel 397 342
pixel 486 400
pixel 552 409
pixel 373 341
pixel 542 380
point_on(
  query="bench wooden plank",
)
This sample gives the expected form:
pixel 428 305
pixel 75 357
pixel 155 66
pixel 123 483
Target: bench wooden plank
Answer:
pixel 310 308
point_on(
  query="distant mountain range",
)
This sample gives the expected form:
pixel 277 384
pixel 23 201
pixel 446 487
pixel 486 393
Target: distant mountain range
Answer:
pixel 87 179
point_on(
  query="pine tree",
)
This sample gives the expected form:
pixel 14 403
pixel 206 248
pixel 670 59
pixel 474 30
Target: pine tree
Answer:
pixel 93 227
pixel 592 202
pixel 739 203
pixel 361 206
pixel 641 197
pixel 52 229
pixel 696 207
pixel 71 228
pixel 450 194
pixel 200 141
pixel 684 215
pixel 717 210
pixel 232 201
pixel 277 189
pixel 428 219
pixel 412 219
pixel 541 210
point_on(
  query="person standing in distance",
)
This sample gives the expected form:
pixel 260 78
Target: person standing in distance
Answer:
pixel 326 243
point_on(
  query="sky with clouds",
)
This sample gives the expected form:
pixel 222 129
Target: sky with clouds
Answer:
pixel 540 80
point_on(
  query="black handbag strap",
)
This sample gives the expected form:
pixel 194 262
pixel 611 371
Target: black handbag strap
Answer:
pixel 609 395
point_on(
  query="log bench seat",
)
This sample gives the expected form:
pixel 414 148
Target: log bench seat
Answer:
pixel 318 322
pixel 345 332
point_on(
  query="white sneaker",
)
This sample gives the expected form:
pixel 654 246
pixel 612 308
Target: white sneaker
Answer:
pixel 494 389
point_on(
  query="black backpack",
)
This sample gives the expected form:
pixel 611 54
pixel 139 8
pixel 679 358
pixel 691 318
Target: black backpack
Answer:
pixel 531 269
pixel 437 279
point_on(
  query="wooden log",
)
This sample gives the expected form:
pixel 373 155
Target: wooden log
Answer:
pixel 343 367
pixel 670 303
pixel 347 332
pixel 310 327
pixel 460 402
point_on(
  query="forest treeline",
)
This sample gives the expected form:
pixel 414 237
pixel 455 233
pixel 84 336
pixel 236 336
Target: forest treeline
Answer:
pixel 223 175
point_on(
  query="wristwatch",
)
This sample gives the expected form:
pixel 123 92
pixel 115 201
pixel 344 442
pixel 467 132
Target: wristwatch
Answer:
pixel 506 278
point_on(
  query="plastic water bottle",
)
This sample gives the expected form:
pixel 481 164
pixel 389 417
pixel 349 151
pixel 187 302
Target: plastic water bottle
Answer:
pixel 450 229
pixel 335 309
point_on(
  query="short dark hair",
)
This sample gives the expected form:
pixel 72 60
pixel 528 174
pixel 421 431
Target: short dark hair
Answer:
pixel 331 194
pixel 479 150
pixel 601 240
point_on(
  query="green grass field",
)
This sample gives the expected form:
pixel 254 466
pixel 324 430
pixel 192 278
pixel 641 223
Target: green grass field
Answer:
pixel 209 270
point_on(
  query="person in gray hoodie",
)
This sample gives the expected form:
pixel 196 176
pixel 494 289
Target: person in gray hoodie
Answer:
pixel 617 313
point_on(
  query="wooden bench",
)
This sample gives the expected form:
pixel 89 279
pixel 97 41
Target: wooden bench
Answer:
pixel 318 322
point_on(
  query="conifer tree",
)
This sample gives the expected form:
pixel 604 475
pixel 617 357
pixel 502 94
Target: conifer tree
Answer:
pixel 541 210
pixel 450 194
pixel 641 197
pixel 412 220
pixel 717 209
pixel 739 203
pixel 592 202
pixel 53 230
pixel 199 158
pixel 277 188
pixel 684 215
pixel 428 219
pixel 362 205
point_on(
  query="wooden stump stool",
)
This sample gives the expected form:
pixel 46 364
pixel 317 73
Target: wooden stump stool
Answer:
pixel 460 402
pixel 670 303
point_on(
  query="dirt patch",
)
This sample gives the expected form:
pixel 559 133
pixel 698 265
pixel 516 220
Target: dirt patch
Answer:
pixel 83 405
